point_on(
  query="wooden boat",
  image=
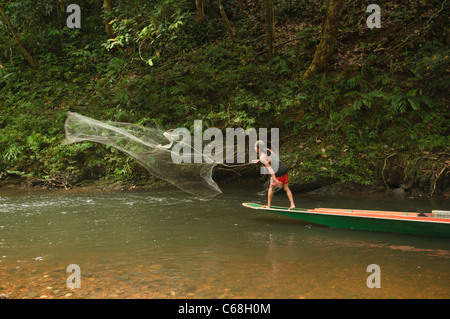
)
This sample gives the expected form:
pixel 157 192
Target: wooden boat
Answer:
pixel 436 223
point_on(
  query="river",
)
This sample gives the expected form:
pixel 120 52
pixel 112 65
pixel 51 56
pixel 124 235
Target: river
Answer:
pixel 165 243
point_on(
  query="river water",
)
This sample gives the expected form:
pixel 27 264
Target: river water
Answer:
pixel 166 244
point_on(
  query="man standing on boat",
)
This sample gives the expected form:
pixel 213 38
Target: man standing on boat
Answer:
pixel 278 178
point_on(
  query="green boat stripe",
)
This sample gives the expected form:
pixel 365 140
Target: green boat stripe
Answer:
pixel 382 223
pixel 310 211
pixel 376 217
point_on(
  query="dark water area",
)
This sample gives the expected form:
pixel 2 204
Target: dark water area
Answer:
pixel 167 244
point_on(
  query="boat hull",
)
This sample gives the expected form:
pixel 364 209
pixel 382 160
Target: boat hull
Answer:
pixel 395 222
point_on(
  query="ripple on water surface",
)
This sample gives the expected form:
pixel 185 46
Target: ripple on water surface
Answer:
pixel 166 244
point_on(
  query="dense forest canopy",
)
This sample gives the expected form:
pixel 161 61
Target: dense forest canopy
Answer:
pixel 354 104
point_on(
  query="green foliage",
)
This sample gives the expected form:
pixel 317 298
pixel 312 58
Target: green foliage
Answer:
pixel 164 68
pixel 161 26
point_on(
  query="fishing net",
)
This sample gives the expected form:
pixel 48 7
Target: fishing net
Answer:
pixel 151 148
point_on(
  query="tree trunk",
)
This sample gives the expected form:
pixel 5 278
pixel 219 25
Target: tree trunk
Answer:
pixel 107 7
pixel 326 45
pixel 241 6
pixel 200 5
pixel 60 11
pixel 269 25
pixel 226 21
pixel 21 46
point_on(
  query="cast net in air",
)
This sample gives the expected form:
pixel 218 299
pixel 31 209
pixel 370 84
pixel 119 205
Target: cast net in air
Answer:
pixel 150 147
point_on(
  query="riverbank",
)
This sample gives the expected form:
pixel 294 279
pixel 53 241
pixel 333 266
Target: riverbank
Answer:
pixel 319 185
pixel 316 166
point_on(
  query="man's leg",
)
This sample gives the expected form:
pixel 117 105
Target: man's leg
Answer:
pixel 270 195
pixel 289 195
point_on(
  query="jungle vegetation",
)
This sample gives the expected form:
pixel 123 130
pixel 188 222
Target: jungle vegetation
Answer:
pixel 354 105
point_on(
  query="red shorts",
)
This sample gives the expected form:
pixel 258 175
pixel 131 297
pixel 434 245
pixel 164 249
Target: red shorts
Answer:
pixel 283 179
